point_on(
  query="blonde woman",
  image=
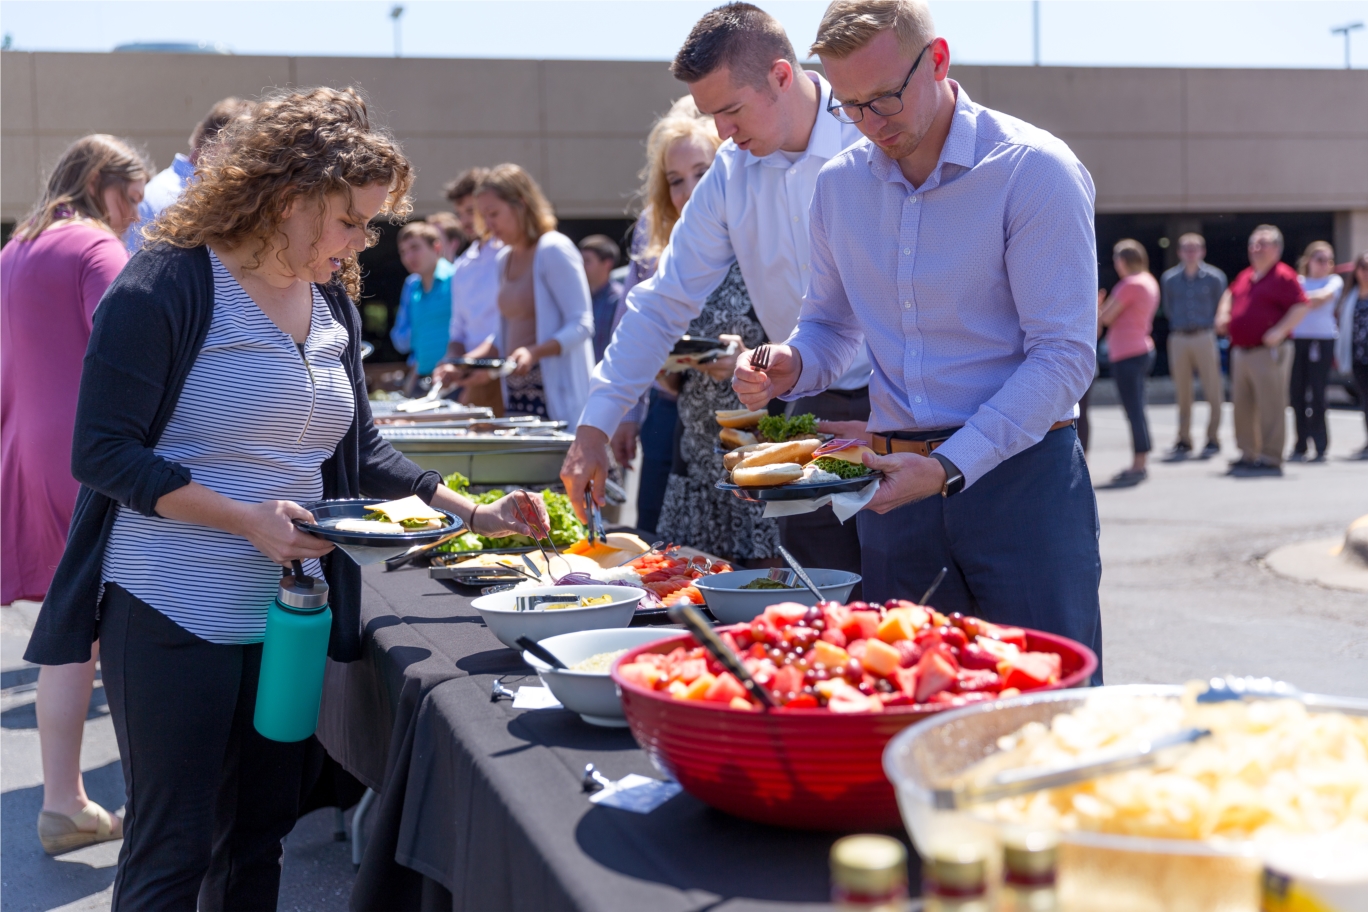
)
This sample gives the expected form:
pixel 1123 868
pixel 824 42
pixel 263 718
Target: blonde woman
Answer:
pixel 546 324
pixel 693 512
pixel 1313 342
pixel 54 272
pixel 223 387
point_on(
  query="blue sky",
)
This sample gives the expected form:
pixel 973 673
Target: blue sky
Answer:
pixel 1219 33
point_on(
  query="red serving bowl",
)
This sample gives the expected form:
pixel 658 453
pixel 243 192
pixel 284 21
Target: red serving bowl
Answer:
pixel 806 768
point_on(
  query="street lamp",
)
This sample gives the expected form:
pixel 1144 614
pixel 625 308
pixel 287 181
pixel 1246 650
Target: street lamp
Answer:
pixel 395 12
pixel 1345 30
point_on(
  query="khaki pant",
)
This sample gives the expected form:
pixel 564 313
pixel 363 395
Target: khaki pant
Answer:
pixel 1258 387
pixel 1195 353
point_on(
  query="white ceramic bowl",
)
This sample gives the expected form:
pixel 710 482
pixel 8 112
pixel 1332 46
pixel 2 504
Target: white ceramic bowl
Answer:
pixel 731 604
pixel 592 694
pixel 501 614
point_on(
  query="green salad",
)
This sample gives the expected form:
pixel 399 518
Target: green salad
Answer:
pixel 778 428
pixel 841 467
pixel 565 528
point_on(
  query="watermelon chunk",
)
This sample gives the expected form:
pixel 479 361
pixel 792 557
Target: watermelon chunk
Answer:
pixel 935 673
pixel 1031 670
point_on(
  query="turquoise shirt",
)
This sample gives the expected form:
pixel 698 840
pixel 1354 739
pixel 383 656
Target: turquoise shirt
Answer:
pixel 421 325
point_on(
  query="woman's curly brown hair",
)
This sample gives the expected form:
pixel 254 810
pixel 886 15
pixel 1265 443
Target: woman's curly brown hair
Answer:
pixel 293 145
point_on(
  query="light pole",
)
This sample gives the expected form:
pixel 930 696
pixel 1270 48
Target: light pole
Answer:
pixel 395 12
pixel 1345 30
pixel 1035 30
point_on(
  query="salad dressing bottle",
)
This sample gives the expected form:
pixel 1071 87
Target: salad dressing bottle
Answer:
pixel 1028 875
pixel 957 883
pixel 869 874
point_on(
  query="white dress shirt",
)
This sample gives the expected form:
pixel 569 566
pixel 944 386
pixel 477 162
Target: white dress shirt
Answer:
pixel 976 292
pixel 475 295
pixel 747 210
pixel 161 191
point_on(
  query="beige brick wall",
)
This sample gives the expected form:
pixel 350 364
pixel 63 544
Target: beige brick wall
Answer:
pixel 1155 140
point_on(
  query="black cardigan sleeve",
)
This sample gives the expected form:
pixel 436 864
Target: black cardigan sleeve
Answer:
pixel 128 371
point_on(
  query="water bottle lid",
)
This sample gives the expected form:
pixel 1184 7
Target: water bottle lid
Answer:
pixel 300 591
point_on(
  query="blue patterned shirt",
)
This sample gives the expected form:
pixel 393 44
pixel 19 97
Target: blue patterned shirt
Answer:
pixel 976 292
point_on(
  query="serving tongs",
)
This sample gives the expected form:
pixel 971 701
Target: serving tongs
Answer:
pixel 432 400
pixel 684 613
pixel 1023 781
pixel 528 514
pixel 595 516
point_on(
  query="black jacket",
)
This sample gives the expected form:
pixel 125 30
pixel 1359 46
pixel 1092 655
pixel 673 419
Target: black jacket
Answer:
pixel 148 331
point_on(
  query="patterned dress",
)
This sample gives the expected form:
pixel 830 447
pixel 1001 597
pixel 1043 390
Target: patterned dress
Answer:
pixel 695 513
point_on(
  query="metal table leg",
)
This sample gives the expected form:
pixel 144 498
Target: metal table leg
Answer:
pixel 358 821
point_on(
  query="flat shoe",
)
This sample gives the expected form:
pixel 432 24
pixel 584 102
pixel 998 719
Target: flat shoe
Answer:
pixel 59 833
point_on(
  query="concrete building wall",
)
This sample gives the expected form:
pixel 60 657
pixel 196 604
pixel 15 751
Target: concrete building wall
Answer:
pixel 1155 140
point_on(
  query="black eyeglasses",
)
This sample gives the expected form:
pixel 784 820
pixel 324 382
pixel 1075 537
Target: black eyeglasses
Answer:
pixel 885 105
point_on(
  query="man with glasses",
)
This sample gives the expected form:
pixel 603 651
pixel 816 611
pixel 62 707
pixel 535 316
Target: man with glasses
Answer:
pixel 1192 291
pixel 960 242
pixel 1259 311
pixel 750 208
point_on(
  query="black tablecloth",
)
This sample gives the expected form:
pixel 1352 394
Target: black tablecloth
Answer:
pixel 480 804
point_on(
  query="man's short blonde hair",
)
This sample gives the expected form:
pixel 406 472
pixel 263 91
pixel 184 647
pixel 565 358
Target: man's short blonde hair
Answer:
pixel 849 25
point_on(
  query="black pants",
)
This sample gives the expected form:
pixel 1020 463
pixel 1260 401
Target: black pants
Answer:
pixel 1361 383
pixel 820 539
pixel 657 457
pixel 1020 544
pixel 209 799
pixel 1310 374
pixel 1130 374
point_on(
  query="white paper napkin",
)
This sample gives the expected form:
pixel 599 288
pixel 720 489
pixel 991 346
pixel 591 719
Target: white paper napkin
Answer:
pixel 365 555
pixel 535 698
pixel 639 794
pixel 844 505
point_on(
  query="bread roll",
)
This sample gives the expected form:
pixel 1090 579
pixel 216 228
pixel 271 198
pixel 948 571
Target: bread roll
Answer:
pixel 732 438
pixel 740 418
pixel 730 460
pixel 799 451
pixel 764 476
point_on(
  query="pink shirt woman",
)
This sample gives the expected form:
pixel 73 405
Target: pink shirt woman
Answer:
pixel 1137 300
pixel 49 288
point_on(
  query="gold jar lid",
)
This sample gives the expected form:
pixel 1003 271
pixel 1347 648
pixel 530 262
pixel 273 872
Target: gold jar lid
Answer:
pixel 958 873
pixel 869 864
pixel 1031 861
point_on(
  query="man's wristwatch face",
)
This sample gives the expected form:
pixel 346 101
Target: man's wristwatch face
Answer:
pixel 954 478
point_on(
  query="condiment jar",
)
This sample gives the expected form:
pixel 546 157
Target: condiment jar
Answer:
pixel 293 657
pixel 956 882
pixel 1028 875
pixel 869 874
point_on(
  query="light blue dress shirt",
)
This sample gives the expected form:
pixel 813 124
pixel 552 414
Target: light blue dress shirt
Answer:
pixel 161 191
pixel 976 292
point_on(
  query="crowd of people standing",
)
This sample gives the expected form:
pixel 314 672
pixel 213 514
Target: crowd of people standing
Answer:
pixel 833 217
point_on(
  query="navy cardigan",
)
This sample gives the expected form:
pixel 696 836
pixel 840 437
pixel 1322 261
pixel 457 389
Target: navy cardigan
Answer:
pixel 148 331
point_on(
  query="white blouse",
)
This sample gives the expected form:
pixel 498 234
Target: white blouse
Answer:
pixel 255 421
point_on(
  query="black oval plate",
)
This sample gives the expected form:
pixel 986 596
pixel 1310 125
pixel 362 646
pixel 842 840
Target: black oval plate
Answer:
pixel 356 509
pixel 793 491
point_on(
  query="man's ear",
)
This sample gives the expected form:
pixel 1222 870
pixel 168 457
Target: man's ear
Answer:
pixel 781 75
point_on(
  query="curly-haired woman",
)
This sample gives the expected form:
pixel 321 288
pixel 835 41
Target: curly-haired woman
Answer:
pixel 54 272
pixel 222 386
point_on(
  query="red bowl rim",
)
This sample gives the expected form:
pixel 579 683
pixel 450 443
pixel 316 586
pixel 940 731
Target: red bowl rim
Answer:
pixel 1078 678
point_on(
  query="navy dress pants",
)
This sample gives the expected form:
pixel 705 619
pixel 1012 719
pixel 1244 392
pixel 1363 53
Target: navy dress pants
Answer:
pixel 1021 545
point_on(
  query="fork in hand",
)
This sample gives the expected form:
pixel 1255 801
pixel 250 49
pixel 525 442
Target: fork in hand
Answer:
pixel 760 358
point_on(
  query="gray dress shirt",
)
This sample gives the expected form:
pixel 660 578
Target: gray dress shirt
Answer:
pixel 1190 304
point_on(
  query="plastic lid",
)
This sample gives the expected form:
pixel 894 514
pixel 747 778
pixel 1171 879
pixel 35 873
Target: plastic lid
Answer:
pixel 302 592
pixel 869 864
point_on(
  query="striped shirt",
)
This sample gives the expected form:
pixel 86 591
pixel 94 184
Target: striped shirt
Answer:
pixel 255 421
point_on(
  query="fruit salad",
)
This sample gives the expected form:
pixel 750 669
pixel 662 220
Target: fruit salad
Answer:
pixel 856 658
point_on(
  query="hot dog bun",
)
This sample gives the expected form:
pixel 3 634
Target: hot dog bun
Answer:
pixel 732 459
pixel 799 451
pixel 739 418
pixel 732 438
pixel 767 475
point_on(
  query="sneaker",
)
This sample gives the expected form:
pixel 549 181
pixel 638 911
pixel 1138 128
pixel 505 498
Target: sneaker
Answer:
pixel 1128 478
pixel 1241 465
pixel 1211 449
pixel 1179 452
pixel 1297 456
pixel 1244 468
pixel 1319 457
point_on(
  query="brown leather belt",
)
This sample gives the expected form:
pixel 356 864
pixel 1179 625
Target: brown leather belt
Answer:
pixel 884 444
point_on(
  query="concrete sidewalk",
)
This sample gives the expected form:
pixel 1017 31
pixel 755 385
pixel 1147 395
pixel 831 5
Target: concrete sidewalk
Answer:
pixel 1184 595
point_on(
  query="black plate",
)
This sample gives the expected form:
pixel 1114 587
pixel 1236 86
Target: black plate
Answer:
pixel 792 491
pixel 695 345
pixel 356 509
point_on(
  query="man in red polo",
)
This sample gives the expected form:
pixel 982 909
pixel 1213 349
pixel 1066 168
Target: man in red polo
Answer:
pixel 1259 311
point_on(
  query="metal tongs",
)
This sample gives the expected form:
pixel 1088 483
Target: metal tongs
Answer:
pixel 432 400
pixel 528 514
pixel 1011 783
pixel 595 516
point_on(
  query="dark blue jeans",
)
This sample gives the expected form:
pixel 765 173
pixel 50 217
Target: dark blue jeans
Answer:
pixel 657 456
pixel 1130 374
pixel 1020 544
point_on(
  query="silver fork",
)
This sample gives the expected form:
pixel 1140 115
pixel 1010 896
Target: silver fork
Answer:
pixel 760 358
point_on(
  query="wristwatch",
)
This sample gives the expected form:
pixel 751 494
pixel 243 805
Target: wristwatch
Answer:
pixel 954 478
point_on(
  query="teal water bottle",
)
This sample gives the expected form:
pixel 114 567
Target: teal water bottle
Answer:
pixel 293 657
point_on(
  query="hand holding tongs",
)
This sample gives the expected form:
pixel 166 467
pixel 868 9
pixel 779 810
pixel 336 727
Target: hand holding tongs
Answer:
pixel 528 514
